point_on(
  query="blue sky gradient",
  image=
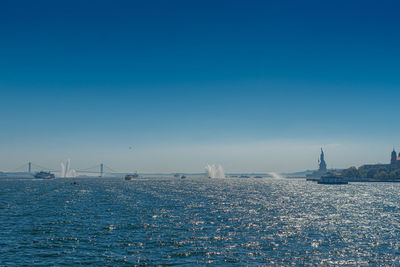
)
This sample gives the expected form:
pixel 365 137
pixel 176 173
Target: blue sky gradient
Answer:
pixel 254 85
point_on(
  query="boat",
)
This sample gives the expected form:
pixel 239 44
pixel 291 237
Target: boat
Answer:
pixel 44 175
pixel 332 178
pixel 131 176
pixel 183 177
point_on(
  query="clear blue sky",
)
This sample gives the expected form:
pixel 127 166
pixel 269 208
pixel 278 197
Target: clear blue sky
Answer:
pixel 253 85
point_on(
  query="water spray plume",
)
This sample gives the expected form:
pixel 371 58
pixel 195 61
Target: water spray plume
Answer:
pixel 66 172
pixel 275 175
pixel 215 171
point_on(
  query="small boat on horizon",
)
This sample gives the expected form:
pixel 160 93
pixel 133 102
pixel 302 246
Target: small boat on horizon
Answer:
pixel 129 177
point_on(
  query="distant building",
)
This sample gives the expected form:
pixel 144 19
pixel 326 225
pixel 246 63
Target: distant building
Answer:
pixel 395 160
pixel 393 165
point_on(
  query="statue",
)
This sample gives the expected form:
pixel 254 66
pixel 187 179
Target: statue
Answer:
pixel 322 163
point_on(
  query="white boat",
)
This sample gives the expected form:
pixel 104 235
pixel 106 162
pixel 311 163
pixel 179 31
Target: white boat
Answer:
pixel 44 175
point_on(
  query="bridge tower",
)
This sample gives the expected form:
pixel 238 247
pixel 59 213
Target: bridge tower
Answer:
pixel 101 169
pixel 29 167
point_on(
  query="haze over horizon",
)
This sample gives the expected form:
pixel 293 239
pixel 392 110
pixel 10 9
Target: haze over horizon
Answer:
pixel 161 86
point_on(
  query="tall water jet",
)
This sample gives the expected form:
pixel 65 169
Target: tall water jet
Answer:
pixel 215 171
pixel 66 172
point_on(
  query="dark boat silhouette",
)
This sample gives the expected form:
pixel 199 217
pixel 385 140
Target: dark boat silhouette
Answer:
pixel 332 178
pixel 131 176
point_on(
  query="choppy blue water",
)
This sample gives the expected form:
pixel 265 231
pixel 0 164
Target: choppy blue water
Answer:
pixel 197 221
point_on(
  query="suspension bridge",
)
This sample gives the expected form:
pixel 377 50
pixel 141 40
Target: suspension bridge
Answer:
pixel 98 169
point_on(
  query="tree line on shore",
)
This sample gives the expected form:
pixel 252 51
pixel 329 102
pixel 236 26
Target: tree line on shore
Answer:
pixel 379 173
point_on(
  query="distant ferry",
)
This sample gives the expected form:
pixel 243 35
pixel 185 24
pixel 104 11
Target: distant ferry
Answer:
pixel 131 176
pixel 332 178
pixel 177 175
pixel 44 175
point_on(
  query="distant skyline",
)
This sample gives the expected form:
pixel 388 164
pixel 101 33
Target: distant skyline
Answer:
pixel 255 86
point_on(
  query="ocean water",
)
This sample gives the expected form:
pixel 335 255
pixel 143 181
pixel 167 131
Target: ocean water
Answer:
pixel 166 221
